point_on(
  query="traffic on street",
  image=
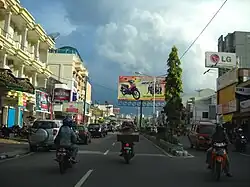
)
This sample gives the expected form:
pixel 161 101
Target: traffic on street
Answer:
pixel 99 164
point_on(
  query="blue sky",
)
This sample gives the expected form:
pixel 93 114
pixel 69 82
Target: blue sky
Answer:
pixel 121 37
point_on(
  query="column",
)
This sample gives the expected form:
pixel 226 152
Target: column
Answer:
pixel 21 72
pixel 3 60
pixel 34 79
pixel 24 39
pixel 37 54
pixel 7 23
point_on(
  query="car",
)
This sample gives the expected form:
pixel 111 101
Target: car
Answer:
pixel 96 130
pixel 43 133
pixel 83 134
pixel 200 134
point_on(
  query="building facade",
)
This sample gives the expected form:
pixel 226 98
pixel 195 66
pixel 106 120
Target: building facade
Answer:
pixel 24 47
pixel 67 67
pixel 237 42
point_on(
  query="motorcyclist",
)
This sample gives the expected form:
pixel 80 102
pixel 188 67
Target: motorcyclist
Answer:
pixel 219 136
pixel 127 127
pixel 67 138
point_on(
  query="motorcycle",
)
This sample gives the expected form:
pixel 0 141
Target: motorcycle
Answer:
pixel 128 152
pixel 240 143
pixel 64 159
pixel 218 159
pixel 125 90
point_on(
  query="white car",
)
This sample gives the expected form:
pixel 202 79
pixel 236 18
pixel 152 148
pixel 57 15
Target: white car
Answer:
pixel 44 133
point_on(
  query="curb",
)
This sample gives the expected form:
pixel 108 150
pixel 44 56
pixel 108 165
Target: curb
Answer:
pixel 173 150
pixel 4 156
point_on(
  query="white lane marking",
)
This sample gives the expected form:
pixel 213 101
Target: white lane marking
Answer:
pixel 84 178
pixel 113 144
pixel 245 154
pixel 17 157
pixel 106 152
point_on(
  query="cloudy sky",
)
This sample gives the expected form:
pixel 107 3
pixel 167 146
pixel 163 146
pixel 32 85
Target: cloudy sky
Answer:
pixel 119 37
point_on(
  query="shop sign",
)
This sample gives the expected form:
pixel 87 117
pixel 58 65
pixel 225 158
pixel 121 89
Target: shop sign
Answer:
pixel 22 99
pixel 73 107
pixel 220 59
pixel 242 91
pixel 230 107
pixel 227 79
pixel 61 95
pixel 245 106
pixel 42 104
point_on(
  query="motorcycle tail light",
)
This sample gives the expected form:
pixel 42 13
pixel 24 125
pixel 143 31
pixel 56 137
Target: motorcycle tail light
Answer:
pixel 219 159
pixel 127 145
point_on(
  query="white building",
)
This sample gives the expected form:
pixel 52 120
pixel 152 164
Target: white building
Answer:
pixel 202 108
pixel 67 67
pixel 107 110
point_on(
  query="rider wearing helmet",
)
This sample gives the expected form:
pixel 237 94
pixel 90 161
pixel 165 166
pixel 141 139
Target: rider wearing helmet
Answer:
pixel 219 136
pixel 67 138
pixel 126 127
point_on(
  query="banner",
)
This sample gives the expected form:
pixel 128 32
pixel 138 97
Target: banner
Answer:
pixel 42 104
pixel 61 95
pixel 133 88
pixel 73 107
pixel 242 91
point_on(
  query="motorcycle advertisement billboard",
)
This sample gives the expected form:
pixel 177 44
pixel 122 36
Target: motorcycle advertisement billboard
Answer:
pixel 132 88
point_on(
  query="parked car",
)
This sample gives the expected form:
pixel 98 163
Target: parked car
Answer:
pixel 43 133
pixel 200 134
pixel 96 130
pixel 83 134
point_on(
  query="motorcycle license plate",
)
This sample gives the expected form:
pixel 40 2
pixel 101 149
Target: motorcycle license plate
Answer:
pixel 127 148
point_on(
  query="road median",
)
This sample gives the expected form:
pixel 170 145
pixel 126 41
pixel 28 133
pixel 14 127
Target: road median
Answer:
pixel 172 149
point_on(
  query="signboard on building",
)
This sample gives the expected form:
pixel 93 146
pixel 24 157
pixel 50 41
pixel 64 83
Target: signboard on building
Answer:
pixel 242 91
pixel 227 108
pixel 73 107
pixel 245 106
pixel 132 88
pixel 220 60
pixel 61 95
pixel 116 111
pixel 227 79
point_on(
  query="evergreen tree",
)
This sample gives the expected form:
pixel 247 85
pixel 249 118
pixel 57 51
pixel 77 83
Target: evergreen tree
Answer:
pixel 173 108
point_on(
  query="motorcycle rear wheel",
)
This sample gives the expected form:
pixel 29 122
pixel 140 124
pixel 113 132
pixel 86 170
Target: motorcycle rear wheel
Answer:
pixel 62 167
pixel 217 170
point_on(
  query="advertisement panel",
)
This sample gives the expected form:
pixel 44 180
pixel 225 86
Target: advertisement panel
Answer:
pixel 42 102
pixel 61 95
pixel 73 107
pixel 227 79
pixel 133 88
pixel 220 60
pixel 227 94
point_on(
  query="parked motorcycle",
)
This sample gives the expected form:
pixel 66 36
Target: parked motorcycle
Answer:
pixel 218 159
pixel 241 143
pixel 128 152
pixel 126 90
pixel 63 157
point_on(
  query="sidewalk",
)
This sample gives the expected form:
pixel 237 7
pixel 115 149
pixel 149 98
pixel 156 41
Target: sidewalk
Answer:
pixel 11 148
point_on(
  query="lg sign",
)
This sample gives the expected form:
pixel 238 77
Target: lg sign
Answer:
pixel 226 60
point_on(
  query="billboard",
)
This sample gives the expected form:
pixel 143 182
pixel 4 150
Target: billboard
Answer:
pixel 61 95
pixel 220 60
pixel 73 107
pixel 140 88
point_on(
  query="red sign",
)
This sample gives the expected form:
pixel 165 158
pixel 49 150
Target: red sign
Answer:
pixel 61 94
pixel 116 110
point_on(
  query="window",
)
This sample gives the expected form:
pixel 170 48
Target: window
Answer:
pixel 44 125
pixel 204 114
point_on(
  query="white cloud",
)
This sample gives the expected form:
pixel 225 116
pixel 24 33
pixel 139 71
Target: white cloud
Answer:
pixel 141 37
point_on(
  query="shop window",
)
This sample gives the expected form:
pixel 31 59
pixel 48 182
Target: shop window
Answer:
pixel 204 114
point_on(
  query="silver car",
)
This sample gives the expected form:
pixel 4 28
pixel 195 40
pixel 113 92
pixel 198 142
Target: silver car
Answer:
pixel 43 133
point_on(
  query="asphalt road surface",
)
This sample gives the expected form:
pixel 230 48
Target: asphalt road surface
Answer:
pixel 100 165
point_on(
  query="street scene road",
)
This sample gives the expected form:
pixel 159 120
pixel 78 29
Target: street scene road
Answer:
pixel 100 165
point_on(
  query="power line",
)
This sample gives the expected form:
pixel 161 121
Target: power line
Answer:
pixel 210 21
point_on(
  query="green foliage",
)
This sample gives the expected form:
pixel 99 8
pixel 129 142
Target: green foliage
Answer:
pixel 173 108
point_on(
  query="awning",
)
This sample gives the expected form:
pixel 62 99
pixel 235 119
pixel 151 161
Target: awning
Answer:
pixel 10 82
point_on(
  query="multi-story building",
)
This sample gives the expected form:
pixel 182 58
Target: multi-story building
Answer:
pixel 237 42
pixel 24 47
pixel 67 66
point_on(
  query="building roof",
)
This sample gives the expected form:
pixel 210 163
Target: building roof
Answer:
pixel 68 50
